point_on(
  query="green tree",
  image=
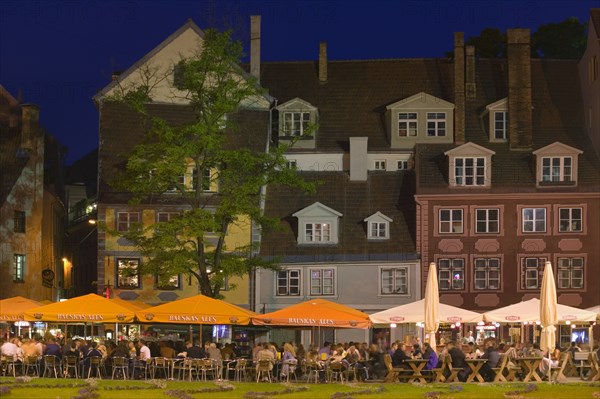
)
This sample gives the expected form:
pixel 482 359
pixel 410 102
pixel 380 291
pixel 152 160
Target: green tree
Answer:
pixel 563 40
pixel 193 242
pixel 491 43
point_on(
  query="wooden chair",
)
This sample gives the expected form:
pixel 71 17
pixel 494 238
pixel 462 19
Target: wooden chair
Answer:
pixel 263 369
pixel 571 369
pixel 557 373
pixel 120 366
pixel 335 372
pixel 395 373
pixel 159 364
pixel 500 369
pixel 71 363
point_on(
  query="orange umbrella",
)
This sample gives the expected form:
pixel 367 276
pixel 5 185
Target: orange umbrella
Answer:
pixel 198 309
pixel 12 309
pixel 87 308
pixel 315 313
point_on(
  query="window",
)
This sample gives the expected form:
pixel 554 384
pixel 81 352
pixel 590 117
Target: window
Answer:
pixel 556 169
pixel 394 281
pixel 531 273
pixel 128 273
pixel 407 124
pixel 292 164
pixel 487 220
pixel 451 221
pixel 162 217
pixel 402 165
pixel 322 282
pixel 125 220
pixel 436 124
pixel 592 69
pixel 570 273
pixel 205 184
pixel 500 125
pixel 317 232
pixel 380 165
pixel 288 282
pixel 378 230
pixel 569 220
pixel 168 282
pixel 19 222
pixel 19 268
pixel 295 123
pixel 487 273
pixel 451 274
pixel 534 220
pixel 469 171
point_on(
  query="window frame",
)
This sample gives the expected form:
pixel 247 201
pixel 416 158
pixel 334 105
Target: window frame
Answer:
pixel 570 219
pixel 561 168
pixel 534 220
pixel 303 123
pixel 118 276
pixel 570 269
pixel 538 269
pixel 169 216
pixel 487 220
pixel 19 265
pixel 402 165
pixel 450 271
pixel 288 278
pixel 128 223
pixel 378 227
pixel 486 268
pixel 20 222
pixel 450 222
pixel 477 175
pixel 411 118
pixel 174 287
pixel 439 125
pixel 379 164
pixel 313 235
pixel 394 278
pixel 504 125
pixel 321 281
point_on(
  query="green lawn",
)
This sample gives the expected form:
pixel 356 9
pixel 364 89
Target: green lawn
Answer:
pixel 45 388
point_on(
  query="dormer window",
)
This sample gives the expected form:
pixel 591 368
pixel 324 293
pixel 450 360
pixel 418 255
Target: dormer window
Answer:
pixel 470 166
pixel 317 225
pixel 407 124
pixel 436 124
pixel 297 119
pixel 496 115
pixel 556 164
pixel 378 226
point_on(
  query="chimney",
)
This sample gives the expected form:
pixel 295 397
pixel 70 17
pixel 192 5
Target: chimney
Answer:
pixel 471 88
pixel 459 88
pixel 519 90
pixel 358 158
pixel 255 46
pixel 323 62
pixel 30 116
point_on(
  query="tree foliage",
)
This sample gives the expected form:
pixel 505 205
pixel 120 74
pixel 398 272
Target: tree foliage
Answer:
pixel 222 185
pixel 563 40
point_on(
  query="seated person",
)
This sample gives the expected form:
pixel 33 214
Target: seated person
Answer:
pixel 431 356
pixel 493 356
pixel 398 360
pixel 458 361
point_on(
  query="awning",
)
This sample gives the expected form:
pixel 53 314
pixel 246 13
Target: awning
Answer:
pixel 414 313
pixel 13 309
pixel 529 311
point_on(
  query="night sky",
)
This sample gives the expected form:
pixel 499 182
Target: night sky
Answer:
pixel 58 54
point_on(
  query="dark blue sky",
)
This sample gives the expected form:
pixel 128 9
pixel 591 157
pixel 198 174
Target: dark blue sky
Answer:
pixel 58 54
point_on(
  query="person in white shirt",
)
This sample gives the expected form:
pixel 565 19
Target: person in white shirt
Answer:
pixel 10 348
pixel 144 350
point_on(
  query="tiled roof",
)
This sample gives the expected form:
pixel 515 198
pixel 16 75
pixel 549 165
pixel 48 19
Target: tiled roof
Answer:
pixel 352 102
pixel 595 16
pixel 390 193
pixel 557 114
pixel 121 128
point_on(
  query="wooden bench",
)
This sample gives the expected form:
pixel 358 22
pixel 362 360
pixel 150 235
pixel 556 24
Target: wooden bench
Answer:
pixel 437 374
pixel 395 373
pixel 594 366
pixel 557 373
pixel 500 369
pixel 453 377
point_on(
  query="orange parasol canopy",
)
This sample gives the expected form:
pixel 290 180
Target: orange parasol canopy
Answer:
pixel 87 308
pixel 198 309
pixel 12 309
pixel 315 313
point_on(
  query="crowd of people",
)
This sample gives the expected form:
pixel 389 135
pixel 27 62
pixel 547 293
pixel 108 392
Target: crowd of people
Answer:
pixel 366 361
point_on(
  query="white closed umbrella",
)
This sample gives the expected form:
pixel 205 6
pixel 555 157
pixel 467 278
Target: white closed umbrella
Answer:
pixel 432 303
pixel 548 310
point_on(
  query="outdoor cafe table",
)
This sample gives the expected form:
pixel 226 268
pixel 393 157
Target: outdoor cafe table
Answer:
pixel 417 365
pixel 529 366
pixel 475 365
